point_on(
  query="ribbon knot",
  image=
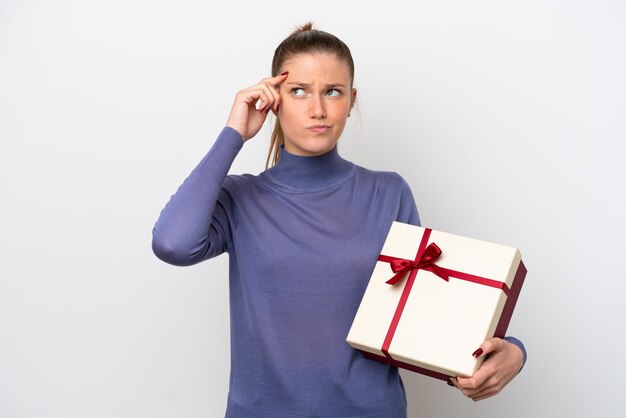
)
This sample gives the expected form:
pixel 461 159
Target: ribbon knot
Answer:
pixel 425 260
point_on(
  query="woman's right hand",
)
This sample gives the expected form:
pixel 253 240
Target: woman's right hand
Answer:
pixel 244 117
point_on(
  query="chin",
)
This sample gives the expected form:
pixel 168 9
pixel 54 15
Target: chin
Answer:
pixel 311 146
pixel 318 148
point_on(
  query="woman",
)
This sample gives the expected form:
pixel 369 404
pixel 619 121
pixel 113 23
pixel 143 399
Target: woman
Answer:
pixel 303 237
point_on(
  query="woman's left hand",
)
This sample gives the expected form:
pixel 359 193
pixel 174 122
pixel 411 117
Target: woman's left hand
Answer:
pixel 504 360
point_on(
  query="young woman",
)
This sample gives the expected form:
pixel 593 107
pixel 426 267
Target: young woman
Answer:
pixel 303 238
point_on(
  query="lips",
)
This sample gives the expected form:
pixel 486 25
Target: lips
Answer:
pixel 319 128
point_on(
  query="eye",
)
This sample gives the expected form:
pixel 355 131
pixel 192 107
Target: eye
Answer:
pixel 333 93
pixel 297 91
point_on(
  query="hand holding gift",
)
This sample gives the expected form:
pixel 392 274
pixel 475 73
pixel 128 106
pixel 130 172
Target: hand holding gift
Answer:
pixel 503 361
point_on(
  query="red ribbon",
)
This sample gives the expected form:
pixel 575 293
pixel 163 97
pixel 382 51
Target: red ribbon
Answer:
pixel 424 260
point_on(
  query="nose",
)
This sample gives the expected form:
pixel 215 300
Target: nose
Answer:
pixel 317 109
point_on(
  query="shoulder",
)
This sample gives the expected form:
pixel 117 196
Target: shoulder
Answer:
pixel 238 182
pixel 392 188
pixel 384 178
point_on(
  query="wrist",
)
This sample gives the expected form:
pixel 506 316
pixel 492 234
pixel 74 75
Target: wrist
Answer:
pixel 236 129
pixel 521 350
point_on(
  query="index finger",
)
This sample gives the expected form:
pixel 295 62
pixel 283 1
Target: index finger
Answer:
pixel 275 81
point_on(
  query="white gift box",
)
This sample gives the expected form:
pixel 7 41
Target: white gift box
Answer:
pixel 440 310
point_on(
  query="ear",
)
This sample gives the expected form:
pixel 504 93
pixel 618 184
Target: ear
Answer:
pixel 352 98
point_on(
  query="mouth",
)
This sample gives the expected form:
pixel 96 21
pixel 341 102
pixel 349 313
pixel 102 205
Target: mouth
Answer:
pixel 318 128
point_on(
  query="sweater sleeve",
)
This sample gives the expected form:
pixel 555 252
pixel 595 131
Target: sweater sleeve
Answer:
pixel 194 224
pixel 518 343
pixel 407 212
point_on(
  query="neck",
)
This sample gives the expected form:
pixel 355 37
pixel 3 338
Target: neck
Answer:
pixel 310 173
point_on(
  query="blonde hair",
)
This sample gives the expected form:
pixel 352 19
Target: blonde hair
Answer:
pixel 304 39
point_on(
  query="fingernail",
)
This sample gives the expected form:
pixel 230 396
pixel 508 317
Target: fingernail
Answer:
pixel 449 382
pixel 286 72
pixel 478 352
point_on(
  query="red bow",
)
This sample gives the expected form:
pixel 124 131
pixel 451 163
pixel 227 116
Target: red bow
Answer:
pixel 426 261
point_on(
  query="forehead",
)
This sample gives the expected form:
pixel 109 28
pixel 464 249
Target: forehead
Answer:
pixel 317 66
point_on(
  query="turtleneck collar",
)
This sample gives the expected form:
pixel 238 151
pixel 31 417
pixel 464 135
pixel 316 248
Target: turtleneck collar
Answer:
pixel 310 173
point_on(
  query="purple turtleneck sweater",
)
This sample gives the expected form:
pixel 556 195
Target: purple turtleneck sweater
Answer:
pixel 303 238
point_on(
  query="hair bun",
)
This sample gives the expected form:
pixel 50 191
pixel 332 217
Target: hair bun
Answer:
pixel 304 28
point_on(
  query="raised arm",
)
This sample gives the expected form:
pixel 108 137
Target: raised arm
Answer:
pixel 194 224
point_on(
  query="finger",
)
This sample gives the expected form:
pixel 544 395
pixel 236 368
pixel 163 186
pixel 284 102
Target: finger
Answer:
pixel 265 99
pixel 251 96
pixel 476 383
pixel 463 386
pixel 484 394
pixel 452 382
pixel 488 346
pixel 270 85
pixel 276 98
pixel 265 112
pixel 268 102
pixel 276 104
pixel 471 385
pixel 488 386
pixel 270 92
pixel 275 81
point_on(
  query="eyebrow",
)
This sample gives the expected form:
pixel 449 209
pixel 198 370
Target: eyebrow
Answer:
pixel 308 84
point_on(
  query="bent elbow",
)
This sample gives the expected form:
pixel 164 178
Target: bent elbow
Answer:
pixel 170 253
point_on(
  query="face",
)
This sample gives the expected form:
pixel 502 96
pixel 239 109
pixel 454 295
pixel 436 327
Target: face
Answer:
pixel 315 100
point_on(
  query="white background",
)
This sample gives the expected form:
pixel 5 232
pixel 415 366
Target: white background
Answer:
pixel 506 118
